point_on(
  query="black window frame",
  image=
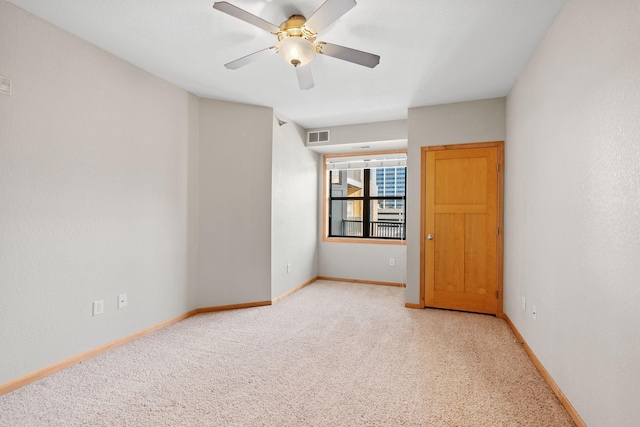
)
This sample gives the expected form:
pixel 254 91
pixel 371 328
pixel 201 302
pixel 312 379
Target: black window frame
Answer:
pixel 366 199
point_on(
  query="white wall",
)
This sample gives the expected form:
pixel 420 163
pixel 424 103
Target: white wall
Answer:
pixel 94 196
pixel 294 209
pixel 572 194
pixel 459 123
pixel 234 203
pixel 365 133
pixel 361 261
pixel 193 172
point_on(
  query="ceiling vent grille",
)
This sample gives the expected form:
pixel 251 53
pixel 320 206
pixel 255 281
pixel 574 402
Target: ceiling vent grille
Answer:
pixel 317 137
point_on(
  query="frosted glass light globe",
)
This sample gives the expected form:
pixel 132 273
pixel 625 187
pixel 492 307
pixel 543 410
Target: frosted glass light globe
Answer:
pixel 297 50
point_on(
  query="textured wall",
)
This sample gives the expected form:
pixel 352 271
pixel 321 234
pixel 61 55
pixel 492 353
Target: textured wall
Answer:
pixel 460 123
pixel 234 203
pixel 361 261
pixel 94 196
pixel 572 192
pixel 294 209
pixel 366 133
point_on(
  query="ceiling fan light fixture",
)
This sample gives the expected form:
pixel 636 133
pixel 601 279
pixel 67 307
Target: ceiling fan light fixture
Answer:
pixel 297 51
pixel 297 39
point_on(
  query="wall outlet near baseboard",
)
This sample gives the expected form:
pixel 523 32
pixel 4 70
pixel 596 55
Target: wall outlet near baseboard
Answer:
pixel 122 300
pixel 524 304
pixel 98 307
pixel 392 262
pixel 288 268
pixel 5 85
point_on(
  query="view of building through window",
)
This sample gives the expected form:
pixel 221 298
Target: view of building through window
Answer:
pixel 367 202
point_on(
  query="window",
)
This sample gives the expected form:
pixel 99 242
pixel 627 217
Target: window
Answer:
pixel 366 196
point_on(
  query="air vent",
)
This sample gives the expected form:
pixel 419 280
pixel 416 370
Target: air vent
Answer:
pixel 317 137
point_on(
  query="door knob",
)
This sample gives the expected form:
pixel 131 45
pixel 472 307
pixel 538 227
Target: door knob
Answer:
pixel 429 236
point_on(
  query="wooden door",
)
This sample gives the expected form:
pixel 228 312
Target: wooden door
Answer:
pixel 461 227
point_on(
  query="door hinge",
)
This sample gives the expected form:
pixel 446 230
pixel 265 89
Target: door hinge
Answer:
pixel 498 167
pixel 496 294
pixel 497 231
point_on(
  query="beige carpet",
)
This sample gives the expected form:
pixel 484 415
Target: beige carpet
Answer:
pixel 332 354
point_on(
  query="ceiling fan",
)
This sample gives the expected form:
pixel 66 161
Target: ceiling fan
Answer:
pixel 297 39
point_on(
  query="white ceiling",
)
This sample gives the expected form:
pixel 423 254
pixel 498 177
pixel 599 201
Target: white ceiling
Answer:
pixel 432 51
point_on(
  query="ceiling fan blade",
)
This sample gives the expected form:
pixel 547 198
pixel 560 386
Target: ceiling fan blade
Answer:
pixel 347 54
pixel 327 14
pixel 253 57
pixel 305 77
pixel 245 16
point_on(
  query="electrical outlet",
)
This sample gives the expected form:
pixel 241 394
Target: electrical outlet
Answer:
pixel 122 300
pixel 288 268
pixel 5 85
pixel 98 307
pixel 392 262
pixel 524 304
pixel 534 313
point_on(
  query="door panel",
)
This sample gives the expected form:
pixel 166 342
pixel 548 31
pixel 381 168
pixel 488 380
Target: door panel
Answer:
pixel 475 259
pixel 460 181
pixel 449 254
pixel 461 196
